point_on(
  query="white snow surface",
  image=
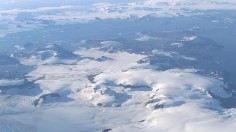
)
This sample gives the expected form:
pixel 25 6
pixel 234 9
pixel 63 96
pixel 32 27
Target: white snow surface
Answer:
pixel 7 82
pixel 121 94
pixel 73 13
pixel 117 93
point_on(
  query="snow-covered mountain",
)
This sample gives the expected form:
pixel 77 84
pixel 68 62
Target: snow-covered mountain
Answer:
pixel 147 65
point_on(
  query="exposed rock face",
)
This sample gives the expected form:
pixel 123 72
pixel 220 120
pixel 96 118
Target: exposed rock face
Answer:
pixel 106 130
pixel 46 98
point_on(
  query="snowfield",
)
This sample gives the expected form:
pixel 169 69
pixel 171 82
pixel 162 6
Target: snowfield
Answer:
pixel 22 18
pixel 115 94
pixel 116 66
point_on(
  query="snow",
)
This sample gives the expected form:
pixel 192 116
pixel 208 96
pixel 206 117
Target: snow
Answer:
pixel 142 99
pixel 6 82
pixel 112 91
pixel 172 54
pixel 143 37
pixel 74 12
pixel 177 44
pixel 189 38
